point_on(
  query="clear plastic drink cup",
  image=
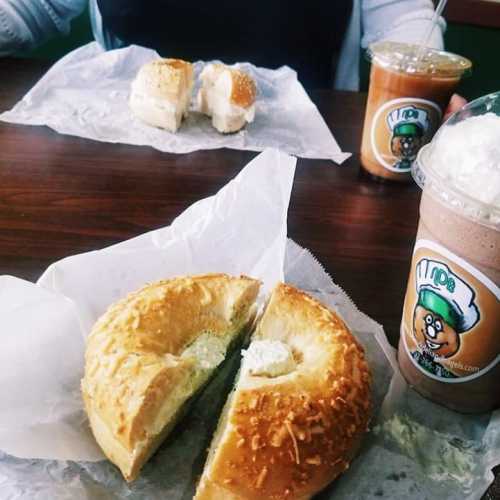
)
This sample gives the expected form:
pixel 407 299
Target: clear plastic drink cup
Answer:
pixel 406 100
pixel 449 349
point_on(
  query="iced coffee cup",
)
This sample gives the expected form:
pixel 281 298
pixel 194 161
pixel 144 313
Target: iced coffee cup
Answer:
pixel 449 349
pixel 407 96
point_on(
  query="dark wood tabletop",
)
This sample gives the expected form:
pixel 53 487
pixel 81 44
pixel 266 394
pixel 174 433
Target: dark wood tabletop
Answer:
pixel 61 195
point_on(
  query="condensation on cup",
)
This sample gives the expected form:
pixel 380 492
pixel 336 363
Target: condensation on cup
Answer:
pixel 406 100
pixel 449 349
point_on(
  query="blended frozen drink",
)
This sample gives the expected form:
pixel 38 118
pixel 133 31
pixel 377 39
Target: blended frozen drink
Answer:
pixel 450 331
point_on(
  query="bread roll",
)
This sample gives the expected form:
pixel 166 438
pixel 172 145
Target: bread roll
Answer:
pixel 299 408
pixel 228 96
pixel 161 93
pixel 151 352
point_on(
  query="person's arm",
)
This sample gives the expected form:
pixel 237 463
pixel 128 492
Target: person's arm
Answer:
pixel 24 24
pixel 399 21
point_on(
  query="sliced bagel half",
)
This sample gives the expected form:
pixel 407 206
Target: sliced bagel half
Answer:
pixel 299 408
pixel 151 352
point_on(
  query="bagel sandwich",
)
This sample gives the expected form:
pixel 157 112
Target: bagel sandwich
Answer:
pixel 161 93
pixel 228 96
pixel 299 409
pixel 150 353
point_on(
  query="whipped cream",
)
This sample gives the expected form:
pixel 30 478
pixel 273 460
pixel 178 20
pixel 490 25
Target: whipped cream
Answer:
pixel 467 156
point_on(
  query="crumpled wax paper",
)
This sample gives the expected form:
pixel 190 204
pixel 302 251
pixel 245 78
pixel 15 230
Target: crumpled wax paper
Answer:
pixel 86 94
pixel 415 450
pixel 241 230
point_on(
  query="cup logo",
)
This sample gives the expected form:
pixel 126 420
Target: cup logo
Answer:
pixel 400 128
pixel 445 309
pixel 409 125
pixel 450 316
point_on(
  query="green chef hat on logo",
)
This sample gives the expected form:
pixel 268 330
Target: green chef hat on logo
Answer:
pixel 435 303
pixel 408 129
pixel 440 290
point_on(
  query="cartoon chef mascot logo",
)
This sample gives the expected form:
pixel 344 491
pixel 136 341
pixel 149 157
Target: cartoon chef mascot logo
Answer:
pixel 445 310
pixel 408 126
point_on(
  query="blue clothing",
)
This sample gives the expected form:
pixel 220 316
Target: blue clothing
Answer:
pixel 24 24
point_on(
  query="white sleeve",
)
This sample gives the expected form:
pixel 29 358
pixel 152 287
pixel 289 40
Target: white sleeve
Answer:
pixel 399 21
pixel 27 23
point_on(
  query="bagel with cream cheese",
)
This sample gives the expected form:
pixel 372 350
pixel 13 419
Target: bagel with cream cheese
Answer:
pixel 227 95
pixel 299 409
pixel 161 93
pixel 151 352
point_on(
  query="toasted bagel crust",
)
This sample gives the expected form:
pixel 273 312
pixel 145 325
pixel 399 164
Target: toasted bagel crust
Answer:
pixel 287 437
pixel 165 78
pixel 244 89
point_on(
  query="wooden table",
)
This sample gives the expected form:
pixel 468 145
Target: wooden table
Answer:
pixel 61 195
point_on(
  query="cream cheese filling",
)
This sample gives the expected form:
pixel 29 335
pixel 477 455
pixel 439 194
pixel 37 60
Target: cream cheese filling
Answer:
pixel 140 95
pixel 268 358
pixel 209 351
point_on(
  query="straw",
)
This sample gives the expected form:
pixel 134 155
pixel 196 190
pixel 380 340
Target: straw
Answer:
pixel 425 40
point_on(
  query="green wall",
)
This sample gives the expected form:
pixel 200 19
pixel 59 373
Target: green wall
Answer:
pixel 481 46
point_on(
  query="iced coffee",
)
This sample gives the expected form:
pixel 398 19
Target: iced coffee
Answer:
pixel 409 90
pixel 450 335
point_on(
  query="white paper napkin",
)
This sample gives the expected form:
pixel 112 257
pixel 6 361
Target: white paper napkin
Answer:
pixel 240 230
pixel 86 94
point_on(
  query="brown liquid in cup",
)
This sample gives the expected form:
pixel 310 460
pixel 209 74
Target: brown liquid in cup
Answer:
pixel 410 87
pixel 479 245
pixel 387 85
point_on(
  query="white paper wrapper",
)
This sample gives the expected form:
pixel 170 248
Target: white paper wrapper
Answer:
pixel 416 449
pixel 241 230
pixel 86 94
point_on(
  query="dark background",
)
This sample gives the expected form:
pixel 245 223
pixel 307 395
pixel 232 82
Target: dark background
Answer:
pixel 473 31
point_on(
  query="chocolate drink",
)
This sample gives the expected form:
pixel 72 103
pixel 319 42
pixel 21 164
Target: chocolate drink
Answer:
pixel 406 100
pixel 479 245
pixel 450 338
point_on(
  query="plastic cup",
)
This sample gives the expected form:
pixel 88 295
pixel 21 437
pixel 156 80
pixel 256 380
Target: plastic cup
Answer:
pixel 409 91
pixel 449 349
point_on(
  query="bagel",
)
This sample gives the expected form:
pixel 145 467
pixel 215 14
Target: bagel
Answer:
pixel 299 408
pixel 151 352
pixel 228 96
pixel 161 93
